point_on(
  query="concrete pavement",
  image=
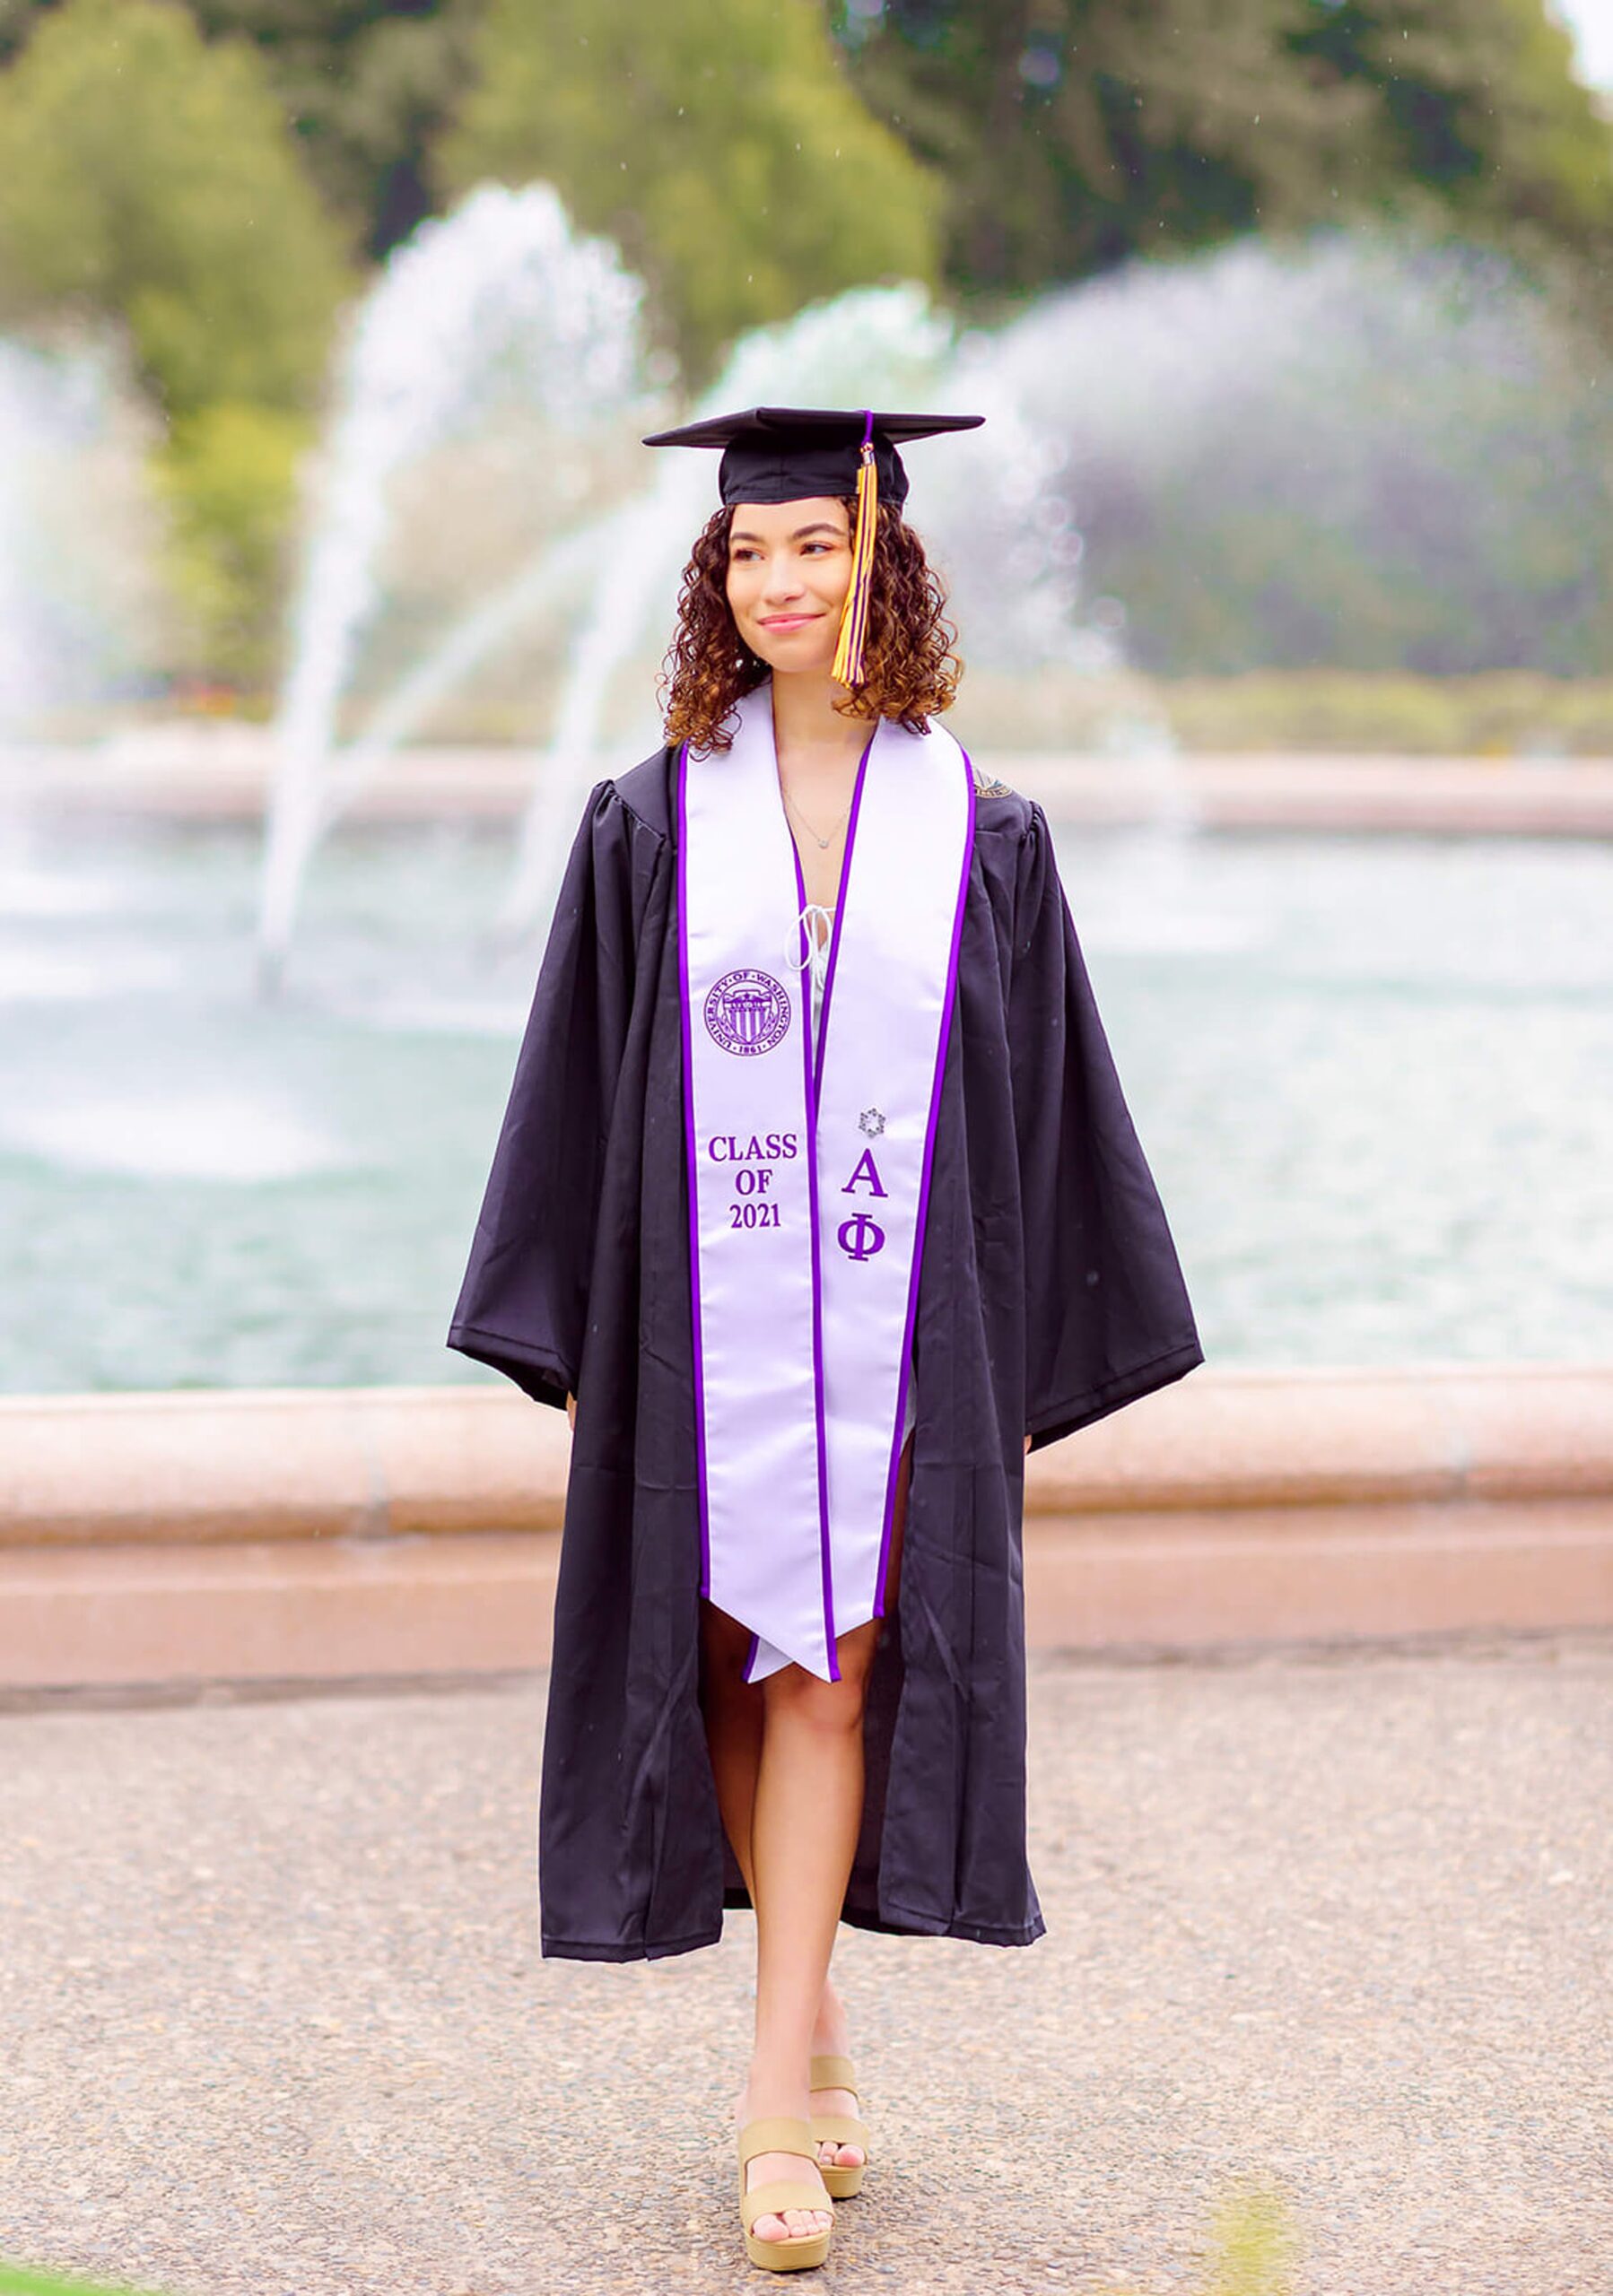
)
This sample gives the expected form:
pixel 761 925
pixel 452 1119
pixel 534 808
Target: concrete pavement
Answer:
pixel 272 2017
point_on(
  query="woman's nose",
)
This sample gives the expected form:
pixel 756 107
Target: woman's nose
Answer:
pixel 783 579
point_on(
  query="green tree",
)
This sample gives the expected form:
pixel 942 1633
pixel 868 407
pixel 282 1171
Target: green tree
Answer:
pixel 227 478
pixel 719 145
pixel 1478 104
pixel 365 86
pixel 148 179
pixel 1074 133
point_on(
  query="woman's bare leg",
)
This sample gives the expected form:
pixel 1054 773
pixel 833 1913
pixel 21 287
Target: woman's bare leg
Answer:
pixel 830 2035
pixel 786 1760
pixel 803 1826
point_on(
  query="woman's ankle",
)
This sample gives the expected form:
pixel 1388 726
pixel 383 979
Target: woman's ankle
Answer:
pixel 831 2032
pixel 775 2085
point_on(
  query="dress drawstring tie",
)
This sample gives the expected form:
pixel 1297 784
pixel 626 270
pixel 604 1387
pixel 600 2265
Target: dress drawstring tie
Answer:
pixel 817 951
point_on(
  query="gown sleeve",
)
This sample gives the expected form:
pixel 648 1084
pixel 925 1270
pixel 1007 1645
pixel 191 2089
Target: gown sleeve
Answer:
pixel 523 1305
pixel 1107 1316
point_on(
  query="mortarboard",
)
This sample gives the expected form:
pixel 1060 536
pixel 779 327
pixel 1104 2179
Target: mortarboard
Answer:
pixel 791 454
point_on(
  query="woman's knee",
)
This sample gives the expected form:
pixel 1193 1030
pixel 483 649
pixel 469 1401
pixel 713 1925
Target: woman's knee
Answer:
pixel 815 1704
pixel 824 1709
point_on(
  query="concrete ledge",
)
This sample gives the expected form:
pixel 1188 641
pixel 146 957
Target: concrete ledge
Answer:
pixel 400 1531
pixel 226 779
pixel 296 1463
pixel 277 1463
pixel 282 1608
pixel 1419 795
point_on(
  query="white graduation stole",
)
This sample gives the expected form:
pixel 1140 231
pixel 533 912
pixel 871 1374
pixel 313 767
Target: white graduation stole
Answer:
pixel 809 1167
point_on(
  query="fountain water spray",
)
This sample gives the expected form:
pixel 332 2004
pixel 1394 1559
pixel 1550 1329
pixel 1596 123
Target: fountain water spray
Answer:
pixel 883 342
pixel 990 497
pixel 502 299
pixel 886 346
pixel 17 657
pixel 47 405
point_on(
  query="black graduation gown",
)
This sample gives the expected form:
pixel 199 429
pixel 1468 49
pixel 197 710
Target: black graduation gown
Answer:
pixel 1050 1294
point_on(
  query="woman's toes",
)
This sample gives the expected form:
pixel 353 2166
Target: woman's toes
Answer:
pixel 795 2224
pixel 804 2222
pixel 831 2155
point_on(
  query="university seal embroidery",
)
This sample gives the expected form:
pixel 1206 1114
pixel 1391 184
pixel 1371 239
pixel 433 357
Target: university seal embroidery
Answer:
pixel 747 1012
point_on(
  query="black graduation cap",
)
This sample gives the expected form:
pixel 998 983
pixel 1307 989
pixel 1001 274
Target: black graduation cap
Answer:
pixel 793 454
pixel 789 453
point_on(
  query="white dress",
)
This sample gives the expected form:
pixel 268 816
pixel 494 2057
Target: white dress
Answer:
pixel 816 974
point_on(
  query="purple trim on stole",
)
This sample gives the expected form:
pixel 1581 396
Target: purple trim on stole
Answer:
pixel 942 1039
pixel 845 879
pixel 826 1549
pixel 693 1163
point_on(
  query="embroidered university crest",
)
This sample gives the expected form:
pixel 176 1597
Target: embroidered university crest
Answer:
pixel 747 1011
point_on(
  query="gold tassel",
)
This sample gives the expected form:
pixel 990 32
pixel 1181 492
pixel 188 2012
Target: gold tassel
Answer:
pixel 854 617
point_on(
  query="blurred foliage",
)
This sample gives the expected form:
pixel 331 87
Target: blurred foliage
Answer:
pixel 1465 566
pixel 364 85
pixel 227 478
pixel 198 174
pixel 1253 2245
pixel 1253 2248
pixel 1053 137
pixel 1071 134
pixel 1503 714
pixel 17 2280
pixel 719 147
pixel 367 85
pixel 1477 102
pixel 149 179
pixel 1376 454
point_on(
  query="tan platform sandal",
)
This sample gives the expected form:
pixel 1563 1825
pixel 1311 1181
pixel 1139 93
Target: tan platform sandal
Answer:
pixel 779 2134
pixel 837 2128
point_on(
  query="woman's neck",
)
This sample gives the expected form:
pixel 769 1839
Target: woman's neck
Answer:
pixel 808 730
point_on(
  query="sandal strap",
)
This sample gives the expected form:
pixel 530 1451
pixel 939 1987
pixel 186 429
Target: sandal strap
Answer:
pixel 780 2134
pixel 832 2073
pixel 839 2128
pixel 772 2200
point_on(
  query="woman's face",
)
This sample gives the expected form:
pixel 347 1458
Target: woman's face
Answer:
pixel 790 568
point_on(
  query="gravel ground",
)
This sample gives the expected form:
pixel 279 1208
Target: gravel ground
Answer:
pixel 273 2019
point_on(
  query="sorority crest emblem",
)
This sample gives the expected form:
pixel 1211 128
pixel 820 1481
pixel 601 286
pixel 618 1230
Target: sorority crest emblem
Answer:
pixel 747 1011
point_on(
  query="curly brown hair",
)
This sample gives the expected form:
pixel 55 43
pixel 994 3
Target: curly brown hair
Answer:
pixel 910 665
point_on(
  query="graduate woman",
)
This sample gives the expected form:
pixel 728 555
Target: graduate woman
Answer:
pixel 816 1199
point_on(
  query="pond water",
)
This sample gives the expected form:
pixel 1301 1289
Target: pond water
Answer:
pixel 1374 1078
